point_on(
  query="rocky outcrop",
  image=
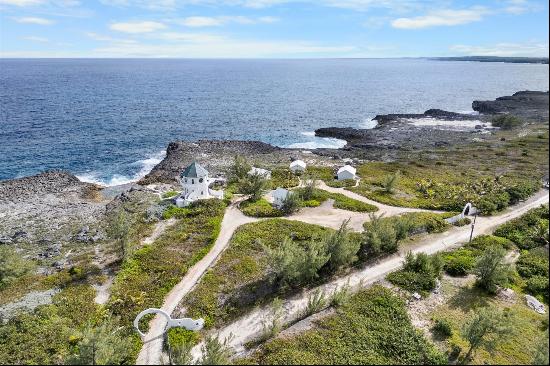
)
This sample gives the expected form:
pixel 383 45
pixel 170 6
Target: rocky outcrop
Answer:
pixel 215 155
pixel 531 105
pixel 383 119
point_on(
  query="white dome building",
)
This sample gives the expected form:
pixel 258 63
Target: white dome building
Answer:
pixel 195 182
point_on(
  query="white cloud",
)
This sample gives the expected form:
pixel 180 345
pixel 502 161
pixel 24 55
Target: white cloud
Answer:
pixel 21 2
pixel 34 20
pixel 137 27
pixel 527 49
pixel 188 37
pixel 104 38
pixel 201 21
pixel 36 39
pixel 446 17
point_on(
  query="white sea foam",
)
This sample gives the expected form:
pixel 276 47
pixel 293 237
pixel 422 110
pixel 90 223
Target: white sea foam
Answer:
pixel 146 165
pixel 445 124
pixel 318 143
pixel 369 123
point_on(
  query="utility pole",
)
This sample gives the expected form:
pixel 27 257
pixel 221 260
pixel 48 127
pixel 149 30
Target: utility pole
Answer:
pixel 473 225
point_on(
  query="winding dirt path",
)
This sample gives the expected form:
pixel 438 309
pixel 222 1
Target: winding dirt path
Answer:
pixel 250 326
pixel 151 351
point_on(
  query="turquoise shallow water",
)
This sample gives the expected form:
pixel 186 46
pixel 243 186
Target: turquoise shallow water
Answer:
pixel 110 120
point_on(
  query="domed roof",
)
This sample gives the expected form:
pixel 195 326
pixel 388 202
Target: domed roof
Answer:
pixel 195 170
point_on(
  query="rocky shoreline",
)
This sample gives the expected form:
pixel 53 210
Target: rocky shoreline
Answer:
pixel 48 214
pixel 413 131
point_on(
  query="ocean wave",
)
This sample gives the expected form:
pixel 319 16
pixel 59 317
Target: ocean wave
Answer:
pixel 145 166
pixel 369 123
pixel 318 143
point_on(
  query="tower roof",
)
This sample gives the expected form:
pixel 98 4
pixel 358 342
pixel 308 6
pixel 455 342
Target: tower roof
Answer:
pixel 195 170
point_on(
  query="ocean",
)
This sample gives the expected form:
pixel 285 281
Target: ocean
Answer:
pixel 109 120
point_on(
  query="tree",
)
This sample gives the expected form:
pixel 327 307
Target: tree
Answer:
pixel 308 189
pixel 101 345
pixel 254 185
pixel 341 247
pixel 379 236
pixel 294 263
pixel 181 354
pixel 118 231
pixel 239 169
pixel 12 265
pixel 215 352
pixel 491 269
pixel 485 328
pixel 291 203
pixel 391 181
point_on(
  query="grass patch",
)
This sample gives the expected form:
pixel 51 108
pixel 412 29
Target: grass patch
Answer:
pixel 240 278
pixel 371 328
pixel 259 208
pixel 517 347
pixel 499 177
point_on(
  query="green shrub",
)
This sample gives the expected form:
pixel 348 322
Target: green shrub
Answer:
pixel 443 327
pixel 419 274
pixel 12 265
pixel 528 231
pixel 169 194
pixel 538 286
pixel 459 262
pixel 531 264
pixel 283 177
pixel 342 247
pixel 175 211
pixel 259 208
pixel 291 203
pixel 482 242
pixel 506 121
pixel 462 222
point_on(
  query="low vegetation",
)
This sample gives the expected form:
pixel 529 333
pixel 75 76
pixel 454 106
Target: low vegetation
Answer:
pixel 506 122
pixel 491 175
pixel 419 274
pixel 371 328
pixel 241 278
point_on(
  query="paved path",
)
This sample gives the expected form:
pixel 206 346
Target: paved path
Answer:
pixel 152 343
pixel 250 326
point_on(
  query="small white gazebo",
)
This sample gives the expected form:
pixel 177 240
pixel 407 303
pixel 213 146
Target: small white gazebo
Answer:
pixel 298 166
pixel 279 196
pixel 346 172
pixel 259 171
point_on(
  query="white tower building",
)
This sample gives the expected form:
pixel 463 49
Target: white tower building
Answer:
pixel 195 182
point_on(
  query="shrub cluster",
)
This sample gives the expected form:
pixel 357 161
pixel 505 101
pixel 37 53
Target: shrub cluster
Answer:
pixel 419 273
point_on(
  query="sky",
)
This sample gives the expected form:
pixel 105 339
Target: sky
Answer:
pixel 272 28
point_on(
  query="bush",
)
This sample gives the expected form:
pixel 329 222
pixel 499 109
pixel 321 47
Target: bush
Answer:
pixel 291 203
pixel 345 183
pixel 528 231
pixel 283 177
pixel 169 194
pixel 443 327
pixel 175 211
pixel 293 264
pixel 419 274
pixel 491 269
pixel 462 222
pixel 531 264
pixel 12 265
pixel 259 208
pixel 342 247
pixel 506 121
pixel 538 286
pixel 483 242
pixel 459 262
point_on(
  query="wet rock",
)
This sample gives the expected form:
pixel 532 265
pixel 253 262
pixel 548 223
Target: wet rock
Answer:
pixel 530 105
